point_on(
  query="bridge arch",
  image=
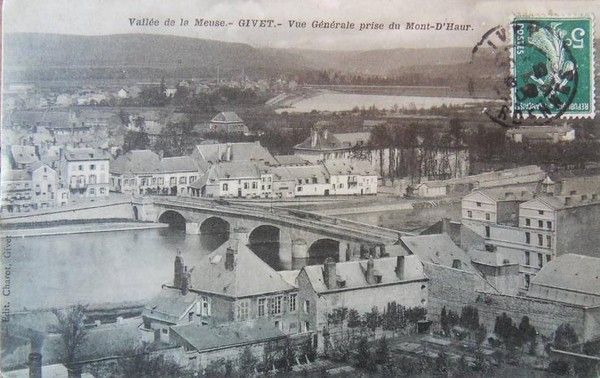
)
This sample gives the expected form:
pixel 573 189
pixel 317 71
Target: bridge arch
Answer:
pixel 214 231
pixel 323 248
pixel 264 234
pixel 173 219
pixel 265 242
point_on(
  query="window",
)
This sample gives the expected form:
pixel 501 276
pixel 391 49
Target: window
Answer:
pixel 549 241
pixel 245 185
pixel 527 222
pixel 541 224
pixel 205 306
pixel 527 258
pixel 190 316
pixel 292 304
pixel 92 191
pixel 299 188
pixel 541 212
pixel 80 167
pixel 165 330
pixel 306 326
pixel 192 179
pixel 314 180
pixel 262 306
pixel 540 260
pixel 102 191
pixel 306 181
pixel 153 180
pixel 93 167
pixel 548 258
pixel 173 181
pixel 527 281
pixel 254 185
pixel 299 181
pixel 549 225
pixel 527 238
pixel 478 204
pixel 487 231
pixel 161 181
pixel 307 307
pixel 275 305
pixel 183 180
pixel 487 216
pixel 540 239
pixel 469 214
pixel 225 187
pixel 242 310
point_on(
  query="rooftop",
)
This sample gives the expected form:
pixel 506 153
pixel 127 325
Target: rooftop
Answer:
pixel 82 154
pixel 227 117
pixel 571 272
pixel 321 140
pixel 437 249
pixel 23 154
pixel 205 338
pixel 178 164
pixel 136 162
pixel 170 305
pixel 247 151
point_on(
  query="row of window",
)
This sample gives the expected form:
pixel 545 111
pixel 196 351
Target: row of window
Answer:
pixel 540 241
pixel 266 306
pixel 81 179
pixel 540 259
pixel 146 181
pixel 91 167
pixel 540 223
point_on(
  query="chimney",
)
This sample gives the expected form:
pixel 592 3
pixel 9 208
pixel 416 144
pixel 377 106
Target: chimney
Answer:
pixel 400 268
pixel 35 357
pixel 329 274
pixel 185 281
pixel 313 137
pixel 371 271
pixel 445 225
pixel 230 258
pixel 178 274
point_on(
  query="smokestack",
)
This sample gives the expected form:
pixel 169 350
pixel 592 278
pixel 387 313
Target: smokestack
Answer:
pixel 35 365
pixel 329 274
pixel 445 225
pixel 230 259
pixel 400 268
pixel 185 281
pixel 178 274
pixel 371 271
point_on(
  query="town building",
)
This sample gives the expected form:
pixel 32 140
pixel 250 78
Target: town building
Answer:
pixel 231 284
pixel 46 188
pixel 570 278
pixel 481 208
pixel 145 172
pixel 16 193
pixel 541 134
pixel 228 122
pixel 586 186
pixel 212 153
pixel 359 285
pixel 86 172
pixel 23 156
pixel 233 179
pixel 351 177
pixel 321 145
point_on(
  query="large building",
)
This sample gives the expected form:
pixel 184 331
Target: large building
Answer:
pixel 541 134
pixel 212 153
pixel 144 172
pixel 228 122
pixel 359 285
pixel 86 172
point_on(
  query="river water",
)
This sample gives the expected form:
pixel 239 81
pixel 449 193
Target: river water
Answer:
pixel 106 267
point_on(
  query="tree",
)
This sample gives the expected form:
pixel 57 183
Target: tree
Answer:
pixel 247 362
pixel 354 320
pixel 507 331
pixel 564 337
pixel 289 356
pixel 72 331
pixel 219 368
pixel 444 321
pixel 372 319
pixel 441 362
pixel 142 364
pixel 469 318
pixel 362 356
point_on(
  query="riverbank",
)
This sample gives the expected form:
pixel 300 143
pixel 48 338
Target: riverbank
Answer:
pixel 77 228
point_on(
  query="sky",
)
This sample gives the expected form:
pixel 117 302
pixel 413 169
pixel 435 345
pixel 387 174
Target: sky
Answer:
pixel 101 17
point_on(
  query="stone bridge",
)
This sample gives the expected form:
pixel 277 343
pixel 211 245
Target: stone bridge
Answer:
pixel 300 234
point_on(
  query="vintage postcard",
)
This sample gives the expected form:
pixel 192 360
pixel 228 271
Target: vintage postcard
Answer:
pixel 248 188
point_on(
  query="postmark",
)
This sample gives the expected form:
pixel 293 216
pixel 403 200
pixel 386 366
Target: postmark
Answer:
pixel 552 67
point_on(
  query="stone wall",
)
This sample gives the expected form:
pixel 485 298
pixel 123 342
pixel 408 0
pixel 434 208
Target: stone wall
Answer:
pixel 101 210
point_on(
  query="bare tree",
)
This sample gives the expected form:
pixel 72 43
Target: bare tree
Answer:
pixel 71 329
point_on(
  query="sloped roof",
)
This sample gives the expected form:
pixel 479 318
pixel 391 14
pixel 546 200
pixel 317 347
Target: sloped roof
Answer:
pixel 221 336
pixel 248 151
pixel 170 305
pixel 353 139
pixel 291 160
pixel 227 117
pixel 437 249
pixel 321 140
pixel 38 164
pixel 23 154
pixel 16 175
pixel 77 154
pixel 178 164
pixel 136 162
pixel 306 171
pixel 353 273
pixel 250 275
pixel 571 272
pixel 346 167
pixel 508 194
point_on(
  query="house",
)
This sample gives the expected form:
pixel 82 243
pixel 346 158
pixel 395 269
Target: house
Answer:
pixel 228 122
pixel 569 278
pixel 23 156
pixel 86 172
pixel 351 177
pixel 541 134
pixel 46 188
pixel 359 285
pixel 16 192
pixel 204 344
pixel 573 186
pixel 321 145
pixel 240 179
pixel 179 172
pixel 429 189
pixel 310 180
pixel 231 284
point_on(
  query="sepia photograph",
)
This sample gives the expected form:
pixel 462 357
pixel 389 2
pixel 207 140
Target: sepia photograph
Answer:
pixel 254 188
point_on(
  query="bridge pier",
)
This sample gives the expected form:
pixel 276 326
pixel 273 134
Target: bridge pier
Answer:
pixel 299 249
pixel 192 228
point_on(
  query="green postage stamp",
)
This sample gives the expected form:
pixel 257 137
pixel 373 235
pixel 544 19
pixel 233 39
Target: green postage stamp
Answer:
pixel 553 67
